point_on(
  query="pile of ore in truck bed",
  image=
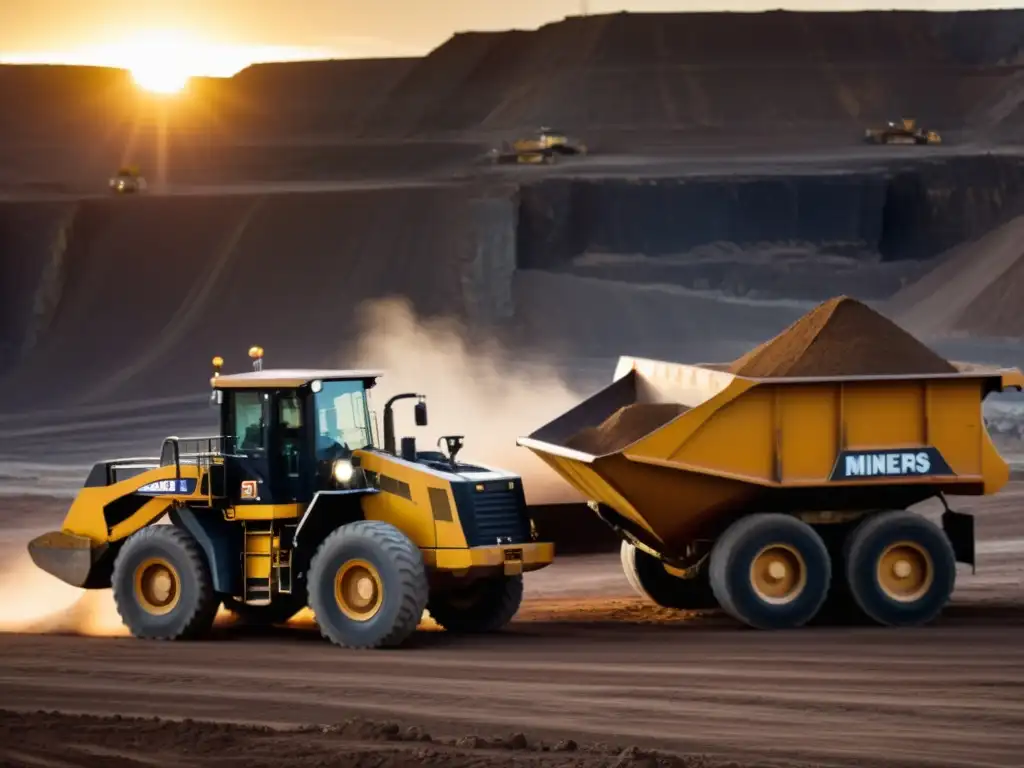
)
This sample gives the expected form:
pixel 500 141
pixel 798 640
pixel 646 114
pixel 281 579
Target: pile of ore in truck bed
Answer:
pixel 840 337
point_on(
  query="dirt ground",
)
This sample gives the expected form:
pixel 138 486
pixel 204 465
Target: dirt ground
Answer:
pixel 585 660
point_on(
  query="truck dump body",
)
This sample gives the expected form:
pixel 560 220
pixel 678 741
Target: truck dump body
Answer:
pixel 821 417
pixel 737 442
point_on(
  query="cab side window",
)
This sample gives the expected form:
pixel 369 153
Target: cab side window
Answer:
pixel 248 421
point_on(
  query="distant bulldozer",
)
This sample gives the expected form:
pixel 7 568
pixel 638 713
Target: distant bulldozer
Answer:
pixel 540 148
pixel 129 179
pixel 904 132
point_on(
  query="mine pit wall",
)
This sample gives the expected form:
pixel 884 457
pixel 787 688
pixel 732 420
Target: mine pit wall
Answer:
pixel 153 287
pixel 915 211
pixel 34 239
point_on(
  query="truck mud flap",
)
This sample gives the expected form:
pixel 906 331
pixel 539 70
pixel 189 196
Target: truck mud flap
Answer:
pixel 959 529
pixel 75 560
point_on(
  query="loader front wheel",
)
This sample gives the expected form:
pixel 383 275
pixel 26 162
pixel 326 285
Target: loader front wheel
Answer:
pixel 770 571
pixel 649 579
pixel 485 605
pixel 162 585
pixel 900 568
pixel 367 586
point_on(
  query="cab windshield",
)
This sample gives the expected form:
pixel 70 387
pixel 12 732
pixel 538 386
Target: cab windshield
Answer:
pixel 342 419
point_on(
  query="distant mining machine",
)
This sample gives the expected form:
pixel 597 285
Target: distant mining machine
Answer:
pixel 128 180
pixel 297 503
pixel 906 131
pixel 542 147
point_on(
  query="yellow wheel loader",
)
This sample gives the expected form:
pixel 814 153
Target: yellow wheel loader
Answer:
pixel 294 504
pixel 905 131
pixel 542 147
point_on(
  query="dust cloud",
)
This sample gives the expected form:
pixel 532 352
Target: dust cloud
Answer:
pixel 478 393
pixel 33 601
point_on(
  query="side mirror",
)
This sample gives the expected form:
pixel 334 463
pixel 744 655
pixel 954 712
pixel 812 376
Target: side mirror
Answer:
pixel 421 413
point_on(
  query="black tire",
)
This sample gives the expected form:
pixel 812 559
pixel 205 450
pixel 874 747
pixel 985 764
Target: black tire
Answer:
pixel 840 609
pixel 865 548
pixel 401 583
pixel 486 605
pixel 147 556
pixel 731 571
pixel 649 579
pixel 277 612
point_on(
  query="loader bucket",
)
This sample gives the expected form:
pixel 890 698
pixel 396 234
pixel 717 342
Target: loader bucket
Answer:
pixel 722 445
pixel 75 560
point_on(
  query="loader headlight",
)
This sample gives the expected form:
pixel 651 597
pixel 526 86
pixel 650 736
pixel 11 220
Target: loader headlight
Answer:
pixel 343 471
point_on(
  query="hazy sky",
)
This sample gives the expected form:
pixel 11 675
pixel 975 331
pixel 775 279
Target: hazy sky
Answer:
pixel 90 30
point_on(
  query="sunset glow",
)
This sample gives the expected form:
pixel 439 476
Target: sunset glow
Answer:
pixel 164 61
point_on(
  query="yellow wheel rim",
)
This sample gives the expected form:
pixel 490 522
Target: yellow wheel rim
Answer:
pixel 778 574
pixel 157 586
pixel 358 590
pixel 905 571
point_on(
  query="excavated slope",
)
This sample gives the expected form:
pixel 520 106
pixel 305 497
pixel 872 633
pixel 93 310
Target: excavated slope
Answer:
pixel 152 288
pixel 975 288
pixel 637 73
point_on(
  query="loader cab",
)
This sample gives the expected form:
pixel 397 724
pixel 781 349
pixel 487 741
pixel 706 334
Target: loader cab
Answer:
pixel 288 433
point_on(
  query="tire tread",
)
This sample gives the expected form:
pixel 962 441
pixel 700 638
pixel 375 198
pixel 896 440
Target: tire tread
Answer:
pixel 205 611
pixel 412 575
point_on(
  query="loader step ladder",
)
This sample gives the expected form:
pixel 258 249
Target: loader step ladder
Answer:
pixel 267 566
pixel 258 561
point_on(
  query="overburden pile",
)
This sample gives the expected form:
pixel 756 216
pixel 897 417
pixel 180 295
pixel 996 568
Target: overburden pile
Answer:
pixel 839 337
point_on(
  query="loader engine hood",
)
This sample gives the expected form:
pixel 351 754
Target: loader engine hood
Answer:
pixel 488 504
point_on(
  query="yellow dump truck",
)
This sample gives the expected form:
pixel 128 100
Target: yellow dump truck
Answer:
pixel 760 495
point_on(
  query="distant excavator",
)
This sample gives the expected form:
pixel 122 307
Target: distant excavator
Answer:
pixel 542 147
pixel 128 180
pixel 905 131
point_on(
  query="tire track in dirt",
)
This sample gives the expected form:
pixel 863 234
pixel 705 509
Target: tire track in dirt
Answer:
pixel 921 697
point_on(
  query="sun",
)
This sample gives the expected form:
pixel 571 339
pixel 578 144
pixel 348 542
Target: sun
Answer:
pixel 158 76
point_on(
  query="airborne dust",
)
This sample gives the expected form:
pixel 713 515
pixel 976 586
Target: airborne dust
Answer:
pixel 481 393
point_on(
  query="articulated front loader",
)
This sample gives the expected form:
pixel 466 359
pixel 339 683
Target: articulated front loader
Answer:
pixel 294 504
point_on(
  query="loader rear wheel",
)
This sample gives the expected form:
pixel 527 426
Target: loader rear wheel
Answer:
pixel 367 585
pixel 770 571
pixel 162 585
pixel 485 605
pixel 900 568
pixel 649 579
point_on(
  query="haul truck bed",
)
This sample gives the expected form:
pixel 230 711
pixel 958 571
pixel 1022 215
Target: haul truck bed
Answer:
pixel 757 494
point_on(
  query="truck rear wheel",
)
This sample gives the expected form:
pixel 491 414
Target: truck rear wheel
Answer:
pixel 900 568
pixel 770 571
pixel 485 605
pixel 367 585
pixel 162 585
pixel 649 579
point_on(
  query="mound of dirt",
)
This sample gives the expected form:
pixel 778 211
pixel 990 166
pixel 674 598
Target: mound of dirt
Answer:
pixel 626 425
pixel 355 743
pixel 841 337
pixel 975 287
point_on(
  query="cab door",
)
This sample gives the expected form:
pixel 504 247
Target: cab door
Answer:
pixel 289 455
pixel 248 419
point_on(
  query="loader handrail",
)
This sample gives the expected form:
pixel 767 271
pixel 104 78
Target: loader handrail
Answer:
pixel 201 449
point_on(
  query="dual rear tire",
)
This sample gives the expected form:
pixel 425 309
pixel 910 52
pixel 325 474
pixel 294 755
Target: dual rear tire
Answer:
pixel 774 571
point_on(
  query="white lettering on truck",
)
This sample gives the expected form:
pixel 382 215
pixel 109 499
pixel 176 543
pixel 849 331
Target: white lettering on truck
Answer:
pixel 887 464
